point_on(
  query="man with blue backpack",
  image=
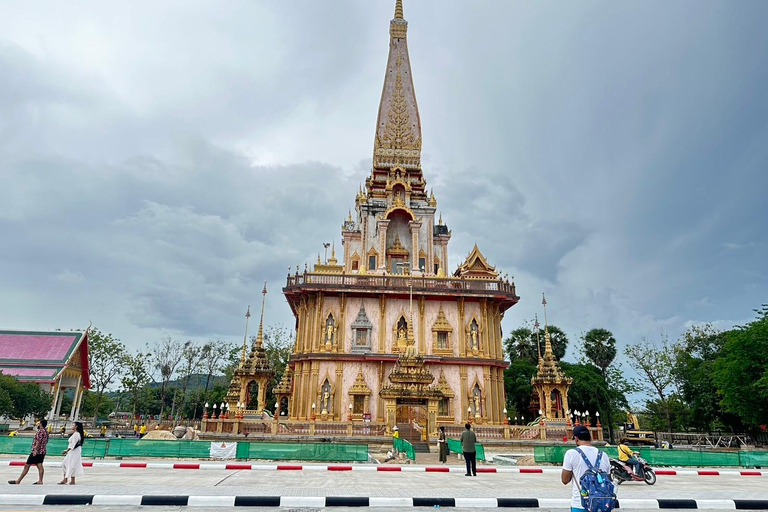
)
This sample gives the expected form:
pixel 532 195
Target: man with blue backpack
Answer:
pixel 587 469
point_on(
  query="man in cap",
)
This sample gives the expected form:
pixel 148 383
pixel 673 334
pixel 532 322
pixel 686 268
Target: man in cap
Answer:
pixel 574 466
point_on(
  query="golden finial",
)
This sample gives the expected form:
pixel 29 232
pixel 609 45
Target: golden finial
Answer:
pixel 318 258
pixel 245 338
pixel 440 222
pixel 260 335
pixel 350 215
pixel 399 9
pixel 432 200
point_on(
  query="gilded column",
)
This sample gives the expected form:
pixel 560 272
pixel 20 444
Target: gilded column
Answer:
pixel 422 332
pixel 342 332
pixel 317 332
pixel 462 328
pixel 415 227
pixel 488 394
pixel 313 384
pixel 383 225
pixel 339 391
pixel 430 246
pixel 382 324
pixel 380 411
pixel 464 398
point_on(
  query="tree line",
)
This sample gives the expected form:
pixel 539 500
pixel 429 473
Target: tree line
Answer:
pixel 171 377
pixel 708 380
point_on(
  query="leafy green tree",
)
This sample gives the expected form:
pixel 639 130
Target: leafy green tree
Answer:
pixel 660 415
pixel 523 343
pixel 600 350
pixel 105 358
pixel 741 372
pixel 695 357
pixel 135 378
pixel 589 391
pixel 278 344
pixel 518 345
pixel 20 399
pixel 190 362
pixel 656 364
pixel 166 356
pixel 517 385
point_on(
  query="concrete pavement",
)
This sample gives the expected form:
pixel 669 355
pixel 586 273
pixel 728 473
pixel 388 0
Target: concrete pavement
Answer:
pixel 307 489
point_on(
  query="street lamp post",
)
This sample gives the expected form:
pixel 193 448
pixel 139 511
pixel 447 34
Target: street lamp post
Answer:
pixel 506 420
pixel 313 412
pixel 213 416
pixel 350 412
pixel 205 411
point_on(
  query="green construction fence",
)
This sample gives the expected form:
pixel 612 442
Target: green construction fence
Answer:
pixel 405 447
pixel 93 448
pixel 454 445
pixel 149 448
pixel 660 457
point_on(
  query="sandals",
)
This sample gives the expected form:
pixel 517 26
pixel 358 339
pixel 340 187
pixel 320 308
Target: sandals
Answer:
pixel 12 482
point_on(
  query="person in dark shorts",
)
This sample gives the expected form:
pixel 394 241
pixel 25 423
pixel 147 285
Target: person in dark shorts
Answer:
pixel 37 456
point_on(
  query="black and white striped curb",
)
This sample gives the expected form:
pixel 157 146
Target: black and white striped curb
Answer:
pixel 362 501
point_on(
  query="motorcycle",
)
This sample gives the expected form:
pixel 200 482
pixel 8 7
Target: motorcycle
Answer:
pixel 622 472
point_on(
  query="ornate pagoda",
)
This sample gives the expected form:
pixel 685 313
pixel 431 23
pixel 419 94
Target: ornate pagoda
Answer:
pixel 387 317
pixel 248 388
pixel 550 384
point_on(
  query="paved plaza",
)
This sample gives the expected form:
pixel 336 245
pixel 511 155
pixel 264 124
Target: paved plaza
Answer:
pixel 114 487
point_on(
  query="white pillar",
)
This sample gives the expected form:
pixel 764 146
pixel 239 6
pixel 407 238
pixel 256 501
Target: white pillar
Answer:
pixel 58 406
pixel 79 402
pixel 74 399
pixel 57 392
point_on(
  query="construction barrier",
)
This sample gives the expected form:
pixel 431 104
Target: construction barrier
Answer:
pixel 454 445
pixel 153 448
pixel 96 448
pixel 405 447
pixel 660 457
pixel 304 451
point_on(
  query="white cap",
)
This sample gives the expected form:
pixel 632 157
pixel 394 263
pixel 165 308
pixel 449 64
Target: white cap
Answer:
pixel 395 428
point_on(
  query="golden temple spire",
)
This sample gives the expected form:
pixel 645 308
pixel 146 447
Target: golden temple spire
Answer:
pixel 260 335
pixel 398 126
pixel 547 340
pixel 245 338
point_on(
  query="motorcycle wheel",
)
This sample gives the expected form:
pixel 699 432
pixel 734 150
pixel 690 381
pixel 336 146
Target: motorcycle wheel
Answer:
pixel 615 477
pixel 650 477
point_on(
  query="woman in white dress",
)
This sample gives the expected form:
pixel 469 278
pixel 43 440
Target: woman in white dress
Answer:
pixel 72 465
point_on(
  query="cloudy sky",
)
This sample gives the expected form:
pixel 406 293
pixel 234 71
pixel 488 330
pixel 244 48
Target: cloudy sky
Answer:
pixel 160 160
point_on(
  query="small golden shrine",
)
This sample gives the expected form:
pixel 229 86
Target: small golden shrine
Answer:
pixel 248 389
pixel 550 383
pixel 409 380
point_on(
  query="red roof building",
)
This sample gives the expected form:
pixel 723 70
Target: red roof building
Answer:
pixel 57 361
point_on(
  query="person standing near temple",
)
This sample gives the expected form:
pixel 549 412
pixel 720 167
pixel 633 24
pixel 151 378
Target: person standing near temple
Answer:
pixel 72 465
pixel 37 456
pixel 442 445
pixel 468 448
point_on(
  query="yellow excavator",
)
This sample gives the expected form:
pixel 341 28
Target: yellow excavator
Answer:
pixel 633 434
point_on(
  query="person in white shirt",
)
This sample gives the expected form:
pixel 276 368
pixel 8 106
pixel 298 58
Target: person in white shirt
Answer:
pixel 574 466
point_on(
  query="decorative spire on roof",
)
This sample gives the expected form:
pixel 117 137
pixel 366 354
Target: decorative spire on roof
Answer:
pixel 260 335
pixel 245 338
pixel 549 368
pixel 398 127
pixel 399 10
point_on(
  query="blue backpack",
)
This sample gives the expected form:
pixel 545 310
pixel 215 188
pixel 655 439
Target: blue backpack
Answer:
pixel 597 491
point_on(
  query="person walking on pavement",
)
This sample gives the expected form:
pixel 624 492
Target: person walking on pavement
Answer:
pixel 37 456
pixel 142 430
pixel 72 465
pixel 574 466
pixel 468 448
pixel 442 444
